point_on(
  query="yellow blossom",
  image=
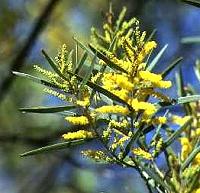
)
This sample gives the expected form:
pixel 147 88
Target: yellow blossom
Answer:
pixel 186 147
pixel 140 152
pixel 146 75
pixel 85 102
pixel 160 120
pixel 164 84
pixel 113 109
pixel 81 134
pixel 196 191
pixel 80 120
pixel 180 120
pixel 148 108
pixel 149 46
pixel 156 79
pixel 113 79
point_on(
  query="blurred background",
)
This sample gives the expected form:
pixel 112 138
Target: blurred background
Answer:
pixel 26 27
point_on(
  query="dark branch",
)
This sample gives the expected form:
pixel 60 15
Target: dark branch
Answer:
pixel 19 60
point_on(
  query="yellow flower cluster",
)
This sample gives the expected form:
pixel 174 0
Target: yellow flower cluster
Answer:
pixel 81 134
pixel 79 120
pixel 149 46
pixel 114 80
pixel 196 191
pixel 160 120
pixel 187 147
pixel 140 152
pixel 116 109
pixel 155 79
pixel 149 108
pixel 117 124
pixel 96 155
pixel 180 120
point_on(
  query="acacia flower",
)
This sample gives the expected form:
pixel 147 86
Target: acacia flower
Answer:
pixel 180 120
pixel 81 134
pixel 156 79
pixel 140 152
pixel 113 109
pixel 79 120
pixel 149 109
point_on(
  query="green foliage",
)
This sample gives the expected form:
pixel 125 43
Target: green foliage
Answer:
pixel 111 101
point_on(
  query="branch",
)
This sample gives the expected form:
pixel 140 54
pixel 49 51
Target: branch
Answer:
pixel 19 60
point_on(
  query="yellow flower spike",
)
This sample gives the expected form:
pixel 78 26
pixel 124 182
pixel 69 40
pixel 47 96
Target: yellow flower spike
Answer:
pixel 160 120
pixel 164 84
pixel 140 152
pixel 81 134
pixel 96 155
pixel 180 120
pixel 186 147
pixel 113 109
pixel 149 76
pixel 196 191
pixel 198 132
pixel 148 108
pixel 120 80
pixel 80 120
pixel 84 103
pixel 150 46
pixel 197 159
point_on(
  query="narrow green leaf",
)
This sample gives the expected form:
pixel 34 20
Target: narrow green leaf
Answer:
pixel 179 83
pixel 153 175
pixel 191 40
pixel 151 35
pixel 195 3
pixel 76 54
pixel 53 147
pixel 106 59
pixel 70 56
pixel 83 46
pixel 176 134
pixel 53 65
pixel 171 67
pixel 36 79
pixel 81 62
pixel 47 109
pixel 89 72
pixel 157 58
pixel 197 69
pixel 188 99
pixel 190 157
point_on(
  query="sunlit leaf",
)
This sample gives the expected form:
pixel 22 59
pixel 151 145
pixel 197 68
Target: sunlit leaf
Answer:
pixel 188 99
pixel 157 58
pixel 191 40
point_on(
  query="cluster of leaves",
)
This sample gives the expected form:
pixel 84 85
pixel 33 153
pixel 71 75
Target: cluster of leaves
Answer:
pixel 118 101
